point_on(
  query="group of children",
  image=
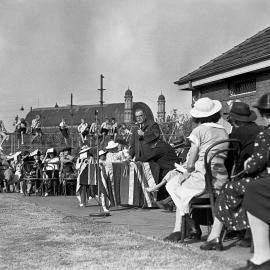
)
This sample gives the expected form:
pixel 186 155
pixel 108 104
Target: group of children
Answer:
pixel 113 152
pixel 26 172
pixel 45 173
pixel 108 128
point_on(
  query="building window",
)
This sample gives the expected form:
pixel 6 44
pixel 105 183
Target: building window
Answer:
pixel 242 86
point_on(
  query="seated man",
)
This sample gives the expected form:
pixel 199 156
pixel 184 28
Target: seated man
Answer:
pixel 164 155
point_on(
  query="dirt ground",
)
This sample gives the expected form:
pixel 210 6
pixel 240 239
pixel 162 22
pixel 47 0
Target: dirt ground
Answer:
pixel 36 237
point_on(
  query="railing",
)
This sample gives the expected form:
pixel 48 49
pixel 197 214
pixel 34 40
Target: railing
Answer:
pixel 56 140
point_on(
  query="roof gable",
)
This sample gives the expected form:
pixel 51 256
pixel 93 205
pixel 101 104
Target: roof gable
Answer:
pixel 252 50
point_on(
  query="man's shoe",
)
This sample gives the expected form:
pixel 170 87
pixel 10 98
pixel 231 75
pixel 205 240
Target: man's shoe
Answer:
pixel 214 244
pixel 173 237
pixel 252 266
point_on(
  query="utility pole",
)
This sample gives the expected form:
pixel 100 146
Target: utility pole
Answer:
pixel 101 96
pixel 71 114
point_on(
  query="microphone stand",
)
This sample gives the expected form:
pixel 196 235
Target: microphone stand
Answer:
pixel 100 213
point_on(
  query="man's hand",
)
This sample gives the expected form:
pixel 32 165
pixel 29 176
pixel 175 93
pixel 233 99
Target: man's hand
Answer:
pixel 140 132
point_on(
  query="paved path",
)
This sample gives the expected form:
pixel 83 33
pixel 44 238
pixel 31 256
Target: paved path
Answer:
pixel 149 222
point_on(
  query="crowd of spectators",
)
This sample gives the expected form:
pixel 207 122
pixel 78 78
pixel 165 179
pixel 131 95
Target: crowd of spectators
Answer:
pixel 240 204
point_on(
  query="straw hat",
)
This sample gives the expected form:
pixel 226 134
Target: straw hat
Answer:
pixel 84 149
pixel 101 152
pixel 205 107
pixel 111 145
pixel 35 153
pixel 50 150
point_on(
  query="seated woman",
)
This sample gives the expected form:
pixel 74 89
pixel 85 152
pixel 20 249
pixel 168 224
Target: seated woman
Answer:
pixel 51 169
pixel 183 187
pixel 113 153
pixel 257 204
pixel 229 210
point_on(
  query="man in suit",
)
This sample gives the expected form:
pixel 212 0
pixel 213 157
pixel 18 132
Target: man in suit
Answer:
pixel 144 131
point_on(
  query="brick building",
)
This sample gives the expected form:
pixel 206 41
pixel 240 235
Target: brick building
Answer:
pixel 240 73
pixel 122 112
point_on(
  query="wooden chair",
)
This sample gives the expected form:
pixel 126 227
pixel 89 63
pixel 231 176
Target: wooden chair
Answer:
pixel 207 199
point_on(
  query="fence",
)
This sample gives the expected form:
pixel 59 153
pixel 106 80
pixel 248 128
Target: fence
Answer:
pixel 56 140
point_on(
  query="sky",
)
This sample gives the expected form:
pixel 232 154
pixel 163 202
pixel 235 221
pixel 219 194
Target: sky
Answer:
pixel 52 48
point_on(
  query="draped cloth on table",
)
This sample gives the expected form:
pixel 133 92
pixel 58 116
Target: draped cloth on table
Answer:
pixel 123 183
pixel 129 183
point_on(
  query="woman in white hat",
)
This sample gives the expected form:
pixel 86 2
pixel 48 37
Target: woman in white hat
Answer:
pixel 113 155
pixel 183 187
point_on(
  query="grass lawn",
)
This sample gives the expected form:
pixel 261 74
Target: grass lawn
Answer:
pixel 33 237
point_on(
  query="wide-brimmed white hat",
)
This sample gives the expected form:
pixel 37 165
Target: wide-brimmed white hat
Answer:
pixel 16 155
pixel 111 145
pixel 10 156
pixel 101 152
pixel 205 107
pixel 35 153
pixel 84 149
pixel 50 150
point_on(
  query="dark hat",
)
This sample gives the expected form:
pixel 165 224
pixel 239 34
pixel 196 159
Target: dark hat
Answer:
pixel 264 102
pixel 240 111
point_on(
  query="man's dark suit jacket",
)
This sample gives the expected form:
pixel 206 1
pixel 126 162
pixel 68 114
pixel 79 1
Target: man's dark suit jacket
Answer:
pixel 164 155
pixel 246 134
pixel 139 145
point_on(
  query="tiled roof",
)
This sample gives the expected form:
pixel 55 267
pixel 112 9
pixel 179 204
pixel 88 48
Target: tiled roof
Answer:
pixel 52 116
pixel 253 50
